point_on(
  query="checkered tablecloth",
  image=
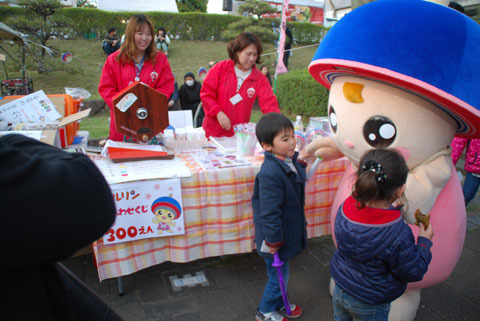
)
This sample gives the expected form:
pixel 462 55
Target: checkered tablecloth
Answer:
pixel 218 220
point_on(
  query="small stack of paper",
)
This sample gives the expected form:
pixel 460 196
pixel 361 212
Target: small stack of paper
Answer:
pixel 123 152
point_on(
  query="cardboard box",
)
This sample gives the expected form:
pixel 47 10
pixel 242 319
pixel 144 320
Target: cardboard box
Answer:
pixel 65 131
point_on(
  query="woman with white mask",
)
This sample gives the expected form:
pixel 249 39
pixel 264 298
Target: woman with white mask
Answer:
pixel 190 93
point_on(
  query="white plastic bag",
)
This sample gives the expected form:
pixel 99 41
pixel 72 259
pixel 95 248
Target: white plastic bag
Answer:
pixel 77 93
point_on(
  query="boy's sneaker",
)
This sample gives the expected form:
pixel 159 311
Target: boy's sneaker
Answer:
pixel 270 316
pixel 295 312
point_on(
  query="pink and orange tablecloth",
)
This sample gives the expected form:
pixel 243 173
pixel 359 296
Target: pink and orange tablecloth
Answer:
pixel 218 219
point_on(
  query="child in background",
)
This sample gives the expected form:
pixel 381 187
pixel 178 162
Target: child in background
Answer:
pixel 472 165
pixel 278 209
pixel 376 252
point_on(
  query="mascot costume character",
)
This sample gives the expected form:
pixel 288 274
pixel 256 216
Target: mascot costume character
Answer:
pixel 405 74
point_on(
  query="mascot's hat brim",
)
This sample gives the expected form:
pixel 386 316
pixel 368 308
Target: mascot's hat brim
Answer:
pixel 424 48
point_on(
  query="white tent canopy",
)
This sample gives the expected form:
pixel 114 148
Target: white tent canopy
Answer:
pixel 138 5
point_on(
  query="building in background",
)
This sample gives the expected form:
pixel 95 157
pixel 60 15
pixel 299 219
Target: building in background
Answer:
pixel 299 10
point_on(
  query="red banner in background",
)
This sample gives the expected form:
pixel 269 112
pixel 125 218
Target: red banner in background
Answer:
pixel 298 13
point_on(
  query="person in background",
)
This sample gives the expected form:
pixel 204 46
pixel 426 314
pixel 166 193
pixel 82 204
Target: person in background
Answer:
pixel 266 72
pixel 54 203
pixel 162 40
pixel 137 60
pixel 190 93
pixel 211 64
pixel 278 203
pixel 376 254
pixel 110 43
pixel 288 46
pixel 173 100
pixel 231 87
pixel 472 164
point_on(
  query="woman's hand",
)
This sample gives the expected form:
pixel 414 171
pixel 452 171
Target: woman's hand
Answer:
pixel 223 120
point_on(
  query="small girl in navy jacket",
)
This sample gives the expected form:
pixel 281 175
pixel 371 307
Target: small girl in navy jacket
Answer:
pixel 376 253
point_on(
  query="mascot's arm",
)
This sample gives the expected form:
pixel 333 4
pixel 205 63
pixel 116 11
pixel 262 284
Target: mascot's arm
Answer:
pixel 425 182
pixel 325 148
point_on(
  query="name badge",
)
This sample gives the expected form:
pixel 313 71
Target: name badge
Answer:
pixel 236 99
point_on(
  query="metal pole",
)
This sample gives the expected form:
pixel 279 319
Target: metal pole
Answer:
pixel 25 85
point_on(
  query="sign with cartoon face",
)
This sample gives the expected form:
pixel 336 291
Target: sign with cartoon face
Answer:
pixel 140 112
pixel 146 209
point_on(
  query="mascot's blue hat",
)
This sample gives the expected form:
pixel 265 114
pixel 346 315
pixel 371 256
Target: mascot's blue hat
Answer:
pixel 422 47
pixel 167 203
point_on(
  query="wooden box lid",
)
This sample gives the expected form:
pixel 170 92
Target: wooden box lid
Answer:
pixel 140 112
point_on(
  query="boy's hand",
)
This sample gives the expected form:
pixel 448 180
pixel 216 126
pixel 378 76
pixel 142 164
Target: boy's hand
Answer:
pixel 428 233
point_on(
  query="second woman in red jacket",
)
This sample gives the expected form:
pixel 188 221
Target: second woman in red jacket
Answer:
pixel 231 87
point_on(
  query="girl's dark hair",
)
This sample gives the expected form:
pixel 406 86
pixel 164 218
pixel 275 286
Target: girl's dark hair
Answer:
pixel 380 173
pixel 270 125
pixel 241 42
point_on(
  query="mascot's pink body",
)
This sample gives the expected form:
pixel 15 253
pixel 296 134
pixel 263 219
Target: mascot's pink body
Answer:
pixel 448 218
pixel 405 75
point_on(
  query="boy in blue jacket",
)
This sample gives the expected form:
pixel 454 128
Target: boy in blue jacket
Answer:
pixel 278 209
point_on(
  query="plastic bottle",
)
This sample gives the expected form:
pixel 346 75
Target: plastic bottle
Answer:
pixel 298 125
pixel 169 140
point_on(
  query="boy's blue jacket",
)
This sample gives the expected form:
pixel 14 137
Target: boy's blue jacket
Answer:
pixel 278 206
pixel 376 253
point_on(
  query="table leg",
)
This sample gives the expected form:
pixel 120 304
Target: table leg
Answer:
pixel 120 286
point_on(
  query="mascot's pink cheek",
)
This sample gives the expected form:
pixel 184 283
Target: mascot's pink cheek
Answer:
pixel 404 151
pixel 349 144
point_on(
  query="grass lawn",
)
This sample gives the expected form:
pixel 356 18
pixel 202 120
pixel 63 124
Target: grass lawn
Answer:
pixel 85 69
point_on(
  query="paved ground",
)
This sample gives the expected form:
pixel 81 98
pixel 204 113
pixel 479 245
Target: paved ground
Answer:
pixel 236 284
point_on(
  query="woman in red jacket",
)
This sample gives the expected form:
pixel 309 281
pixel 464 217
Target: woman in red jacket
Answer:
pixel 231 86
pixel 472 164
pixel 137 60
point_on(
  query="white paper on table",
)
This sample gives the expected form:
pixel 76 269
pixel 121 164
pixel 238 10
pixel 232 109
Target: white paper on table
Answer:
pixel 35 134
pixel 34 108
pixel 180 118
pixel 139 170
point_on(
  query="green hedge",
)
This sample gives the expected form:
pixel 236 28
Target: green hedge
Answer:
pixel 298 93
pixel 94 23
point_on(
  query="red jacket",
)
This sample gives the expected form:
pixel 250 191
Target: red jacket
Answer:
pixel 221 84
pixel 117 76
pixel 472 157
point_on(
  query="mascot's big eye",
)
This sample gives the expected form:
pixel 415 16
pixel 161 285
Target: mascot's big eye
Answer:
pixel 379 132
pixel 333 119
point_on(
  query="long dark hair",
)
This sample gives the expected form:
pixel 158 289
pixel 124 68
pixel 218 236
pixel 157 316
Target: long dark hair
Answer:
pixel 380 173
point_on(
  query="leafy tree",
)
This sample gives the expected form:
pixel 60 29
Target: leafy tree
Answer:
pixel 262 29
pixel 192 5
pixel 256 8
pixel 39 23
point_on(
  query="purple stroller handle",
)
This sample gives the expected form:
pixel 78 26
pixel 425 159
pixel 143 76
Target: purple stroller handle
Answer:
pixel 277 263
